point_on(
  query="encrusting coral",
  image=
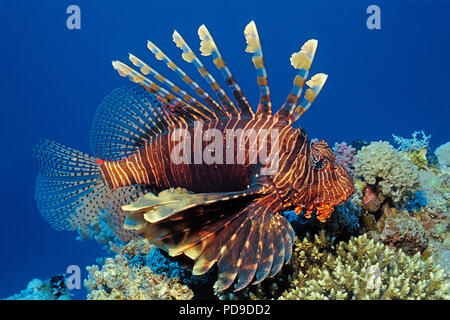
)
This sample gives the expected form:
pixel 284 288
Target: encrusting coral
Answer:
pixel 362 269
pixel 404 231
pixel 381 166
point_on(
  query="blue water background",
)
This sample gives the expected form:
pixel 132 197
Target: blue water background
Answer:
pixel 393 80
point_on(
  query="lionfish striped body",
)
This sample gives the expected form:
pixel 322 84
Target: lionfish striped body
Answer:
pixel 200 177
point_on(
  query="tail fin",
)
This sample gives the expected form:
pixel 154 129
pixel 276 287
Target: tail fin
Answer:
pixel 70 190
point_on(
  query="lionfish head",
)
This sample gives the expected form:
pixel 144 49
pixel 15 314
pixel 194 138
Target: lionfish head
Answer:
pixel 326 184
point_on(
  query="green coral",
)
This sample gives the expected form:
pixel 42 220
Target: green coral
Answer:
pixel 362 269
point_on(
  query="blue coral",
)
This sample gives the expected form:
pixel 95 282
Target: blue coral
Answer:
pixel 416 202
pixel 347 215
pixel 162 265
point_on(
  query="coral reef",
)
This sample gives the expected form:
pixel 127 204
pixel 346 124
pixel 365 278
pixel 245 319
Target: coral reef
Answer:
pixel 390 241
pixel 438 234
pixel 358 269
pixel 362 269
pixel 51 289
pixel 161 264
pixel 417 202
pixel 422 223
pixel 345 156
pixel 144 268
pixel 401 202
pixel 404 231
pixel 141 253
pixel 270 288
pixel 120 280
pixel 383 169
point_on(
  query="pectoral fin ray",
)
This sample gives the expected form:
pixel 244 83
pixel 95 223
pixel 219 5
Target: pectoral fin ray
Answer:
pixel 155 208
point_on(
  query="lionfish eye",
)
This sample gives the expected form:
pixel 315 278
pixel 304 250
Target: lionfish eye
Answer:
pixel 319 164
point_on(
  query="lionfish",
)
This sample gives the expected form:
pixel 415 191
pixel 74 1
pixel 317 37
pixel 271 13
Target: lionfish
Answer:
pixel 224 214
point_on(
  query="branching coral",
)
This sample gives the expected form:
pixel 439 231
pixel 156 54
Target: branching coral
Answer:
pixel 381 165
pixel 119 280
pixel 362 269
pixel 415 143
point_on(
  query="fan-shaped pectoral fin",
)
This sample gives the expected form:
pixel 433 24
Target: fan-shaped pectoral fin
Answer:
pixel 257 248
pixel 156 208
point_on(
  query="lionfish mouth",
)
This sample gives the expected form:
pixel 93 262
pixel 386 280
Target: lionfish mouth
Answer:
pixel 324 209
